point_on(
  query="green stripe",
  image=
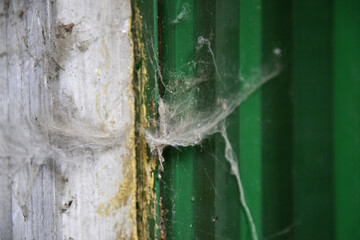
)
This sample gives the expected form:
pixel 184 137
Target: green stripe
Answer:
pixel 178 48
pixel 313 161
pixel 347 118
pixel 227 207
pixel 184 168
pixel 149 99
pixel 204 178
pixel 157 183
pixel 277 192
pixel 250 114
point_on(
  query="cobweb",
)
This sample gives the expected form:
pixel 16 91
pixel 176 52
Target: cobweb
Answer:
pixel 198 98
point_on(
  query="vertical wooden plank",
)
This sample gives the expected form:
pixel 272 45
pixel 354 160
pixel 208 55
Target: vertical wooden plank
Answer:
pixel 347 118
pixel 177 50
pixel 250 115
pixel 313 160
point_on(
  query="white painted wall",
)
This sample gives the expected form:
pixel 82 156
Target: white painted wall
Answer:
pixel 67 166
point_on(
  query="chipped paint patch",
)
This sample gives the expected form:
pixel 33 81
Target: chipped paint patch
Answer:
pixel 146 163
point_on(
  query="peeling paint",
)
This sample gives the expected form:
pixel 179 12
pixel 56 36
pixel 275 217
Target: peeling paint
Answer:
pixel 146 163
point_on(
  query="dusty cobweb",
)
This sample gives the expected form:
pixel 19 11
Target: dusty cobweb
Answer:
pixel 198 98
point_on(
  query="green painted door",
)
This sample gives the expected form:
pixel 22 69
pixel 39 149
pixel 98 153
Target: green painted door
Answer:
pixel 296 139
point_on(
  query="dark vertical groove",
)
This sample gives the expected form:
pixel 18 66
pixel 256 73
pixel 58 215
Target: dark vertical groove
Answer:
pixel 227 207
pixel 277 118
pixel 313 149
pixel 162 218
pixel 204 174
pixel 159 47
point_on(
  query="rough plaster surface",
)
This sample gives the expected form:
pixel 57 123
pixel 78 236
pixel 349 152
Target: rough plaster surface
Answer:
pixel 66 115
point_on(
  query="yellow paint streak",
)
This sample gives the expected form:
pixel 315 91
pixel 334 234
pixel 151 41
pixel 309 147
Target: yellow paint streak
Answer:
pixel 106 86
pixel 115 226
pixel 132 163
pixel 98 111
pixel 146 163
pixel 98 104
pixel 125 191
pixel 105 52
pixel 105 166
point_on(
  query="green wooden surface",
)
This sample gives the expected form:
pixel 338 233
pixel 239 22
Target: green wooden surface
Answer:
pixel 347 118
pixel 297 138
pixel 227 205
pixel 313 161
pixel 157 172
pixel 277 132
pixel 250 137
pixel 149 98
pixel 184 166
pixel 204 168
pixel 177 49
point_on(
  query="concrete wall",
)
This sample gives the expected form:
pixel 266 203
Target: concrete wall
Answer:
pixel 67 165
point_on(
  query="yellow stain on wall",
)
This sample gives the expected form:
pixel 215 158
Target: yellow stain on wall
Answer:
pixel 106 86
pixel 98 104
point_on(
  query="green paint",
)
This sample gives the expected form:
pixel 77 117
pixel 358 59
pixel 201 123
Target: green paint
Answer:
pixel 313 159
pixel 227 207
pixel 177 50
pixel 347 118
pixel 297 138
pixel 276 116
pixel 250 115
pixel 147 95
pixel 204 168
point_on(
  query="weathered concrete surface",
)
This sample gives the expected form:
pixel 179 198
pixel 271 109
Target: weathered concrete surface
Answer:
pixel 67 167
